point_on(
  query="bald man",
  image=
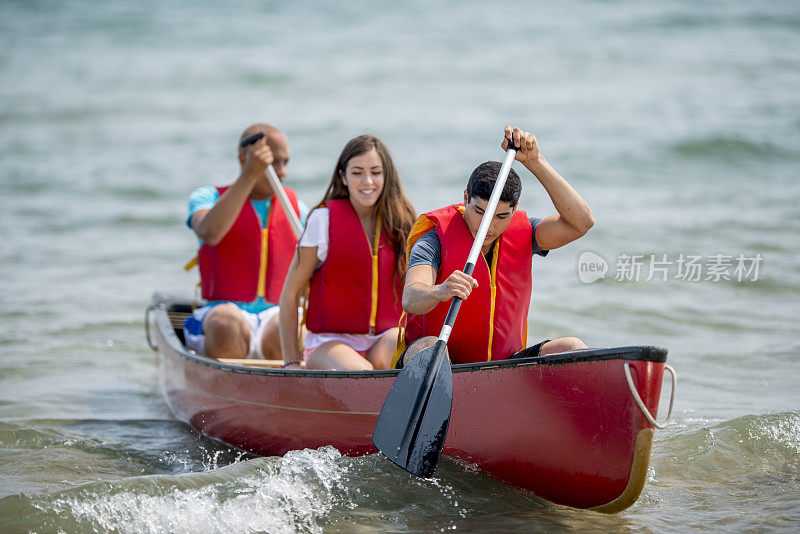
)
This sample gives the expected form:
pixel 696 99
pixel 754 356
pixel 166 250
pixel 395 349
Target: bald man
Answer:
pixel 246 245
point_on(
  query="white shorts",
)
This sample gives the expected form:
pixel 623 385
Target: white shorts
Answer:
pixel 195 338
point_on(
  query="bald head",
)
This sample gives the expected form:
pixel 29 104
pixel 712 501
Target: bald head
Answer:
pixel 270 131
pixel 277 142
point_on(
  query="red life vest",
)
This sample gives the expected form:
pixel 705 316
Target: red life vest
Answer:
pixel 354 291
pixel 492 322
pixel 250 261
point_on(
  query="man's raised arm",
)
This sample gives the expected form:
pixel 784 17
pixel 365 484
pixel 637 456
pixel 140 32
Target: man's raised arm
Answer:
pixel 574 216
pixel 211 225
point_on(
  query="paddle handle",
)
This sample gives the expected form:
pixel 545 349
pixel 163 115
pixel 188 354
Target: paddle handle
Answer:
pixel 480 236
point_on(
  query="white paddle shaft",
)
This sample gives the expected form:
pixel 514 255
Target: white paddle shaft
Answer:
pixel 480 236
pixel 277 188
pixel 491 206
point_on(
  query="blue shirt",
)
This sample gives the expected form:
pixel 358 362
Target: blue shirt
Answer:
pixel 204 198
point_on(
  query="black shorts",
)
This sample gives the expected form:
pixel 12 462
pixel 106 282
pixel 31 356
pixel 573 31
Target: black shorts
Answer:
pixel 530 352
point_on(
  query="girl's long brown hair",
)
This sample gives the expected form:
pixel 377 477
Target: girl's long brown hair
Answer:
pixel 397 212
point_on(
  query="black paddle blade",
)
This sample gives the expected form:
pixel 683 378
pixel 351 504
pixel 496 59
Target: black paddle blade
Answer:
pixel 413 422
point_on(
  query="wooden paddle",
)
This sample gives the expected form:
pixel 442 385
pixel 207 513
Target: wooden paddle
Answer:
pixel 412 426
pixel 277 188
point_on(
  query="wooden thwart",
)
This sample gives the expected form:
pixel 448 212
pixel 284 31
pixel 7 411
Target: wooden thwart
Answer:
pixel 254 363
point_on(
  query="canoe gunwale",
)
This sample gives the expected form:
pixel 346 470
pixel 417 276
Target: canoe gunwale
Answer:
pixel 163 303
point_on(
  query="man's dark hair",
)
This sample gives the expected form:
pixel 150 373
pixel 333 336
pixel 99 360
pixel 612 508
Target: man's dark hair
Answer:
pixel 482 180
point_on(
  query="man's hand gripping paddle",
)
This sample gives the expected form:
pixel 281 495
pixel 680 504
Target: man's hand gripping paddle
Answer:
pixel 277 188
pixel 413 423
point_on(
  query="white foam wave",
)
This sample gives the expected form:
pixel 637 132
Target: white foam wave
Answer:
pixel 276 495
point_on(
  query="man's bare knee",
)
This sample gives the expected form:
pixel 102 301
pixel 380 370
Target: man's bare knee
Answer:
pixel 224 319
pixel 226 331
pixel 563 344
pixel 416 347
pixel 574 343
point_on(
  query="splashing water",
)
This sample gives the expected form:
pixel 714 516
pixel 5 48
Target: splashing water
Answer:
pixel 288 494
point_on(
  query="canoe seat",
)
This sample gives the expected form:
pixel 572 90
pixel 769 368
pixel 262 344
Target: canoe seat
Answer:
pixel 275 364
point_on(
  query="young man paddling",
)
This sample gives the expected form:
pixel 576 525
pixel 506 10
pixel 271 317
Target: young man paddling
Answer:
pixel 246 245
pixel 492 322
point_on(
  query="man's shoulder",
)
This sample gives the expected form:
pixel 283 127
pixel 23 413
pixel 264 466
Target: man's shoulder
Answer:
pixel 430 238
pixel 427 250
pixel 204 193
pixel 202 198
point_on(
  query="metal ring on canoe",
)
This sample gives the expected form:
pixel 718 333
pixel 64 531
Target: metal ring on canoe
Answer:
pixel 641 405
pixel 147 327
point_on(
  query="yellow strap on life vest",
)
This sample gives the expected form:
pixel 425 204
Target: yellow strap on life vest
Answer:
pixel 524 336
pixel 401 341
pixel 190 265
pixel 262 271
pixel 493 297
pixel 376 243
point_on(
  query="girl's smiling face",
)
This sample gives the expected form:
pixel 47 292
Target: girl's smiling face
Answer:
pixel 364 179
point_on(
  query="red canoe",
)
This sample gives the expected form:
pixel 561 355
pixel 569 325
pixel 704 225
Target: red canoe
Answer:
pixel 566 427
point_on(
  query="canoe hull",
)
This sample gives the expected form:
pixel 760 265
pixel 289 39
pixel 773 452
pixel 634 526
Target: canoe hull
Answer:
pixel 565 428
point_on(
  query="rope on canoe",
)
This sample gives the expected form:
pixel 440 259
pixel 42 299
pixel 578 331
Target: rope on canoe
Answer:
pixel 147 328
pixel 641 405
